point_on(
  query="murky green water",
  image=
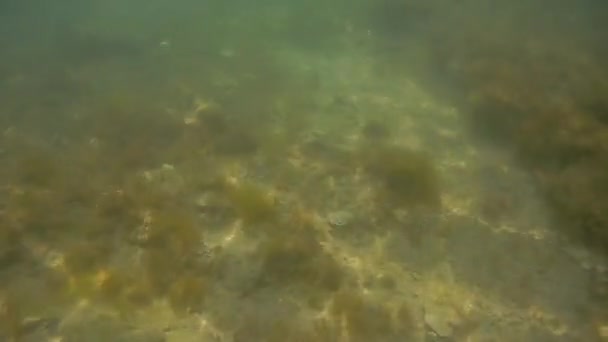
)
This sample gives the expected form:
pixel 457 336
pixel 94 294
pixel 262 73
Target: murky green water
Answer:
pixel 303 171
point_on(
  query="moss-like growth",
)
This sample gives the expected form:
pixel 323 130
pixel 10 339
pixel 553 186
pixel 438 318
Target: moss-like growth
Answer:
pixel 72 191
pixel 110 284
pixel 296 258
pixel 38 168
pixel 161 270
pixel 121 290
pixel 236 143
pixel 85 258
pixel 138 293
pixel 10 251
pixel 279 329
pixel 147 195
pixel 125 121
pixel 252 202
pixel 118 207
pixel 38 212
pixel 364 321
pixel 274 146
pixel 187 294
pixel 176 232
pixel 494 119
pixel 11 327
pixel 409 178
pixel 173 243
pixel 368 321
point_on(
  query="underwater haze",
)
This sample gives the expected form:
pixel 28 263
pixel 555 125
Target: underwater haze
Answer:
pixel 303 171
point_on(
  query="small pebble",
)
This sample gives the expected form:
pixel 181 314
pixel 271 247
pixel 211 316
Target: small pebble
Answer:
pixel 339 218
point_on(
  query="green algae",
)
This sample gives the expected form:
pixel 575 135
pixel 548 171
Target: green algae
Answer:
pixel 252 203
pixel 408 178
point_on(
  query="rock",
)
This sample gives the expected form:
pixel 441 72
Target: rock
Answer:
pixel 440 319
pixel 438 324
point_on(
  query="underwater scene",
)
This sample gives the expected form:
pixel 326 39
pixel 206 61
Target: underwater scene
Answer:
pixel 303 171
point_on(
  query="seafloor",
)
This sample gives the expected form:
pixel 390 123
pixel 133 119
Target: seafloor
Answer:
pixel 239 189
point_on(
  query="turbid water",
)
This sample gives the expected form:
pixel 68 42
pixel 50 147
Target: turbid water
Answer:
pixel 279 171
